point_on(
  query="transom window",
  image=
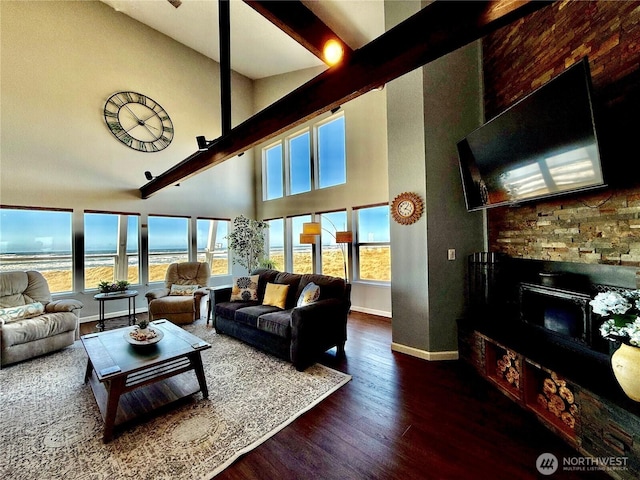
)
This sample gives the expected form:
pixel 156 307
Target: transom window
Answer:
pixel 313 158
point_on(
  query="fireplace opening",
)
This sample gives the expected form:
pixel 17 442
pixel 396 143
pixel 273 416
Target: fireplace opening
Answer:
pixel 560 312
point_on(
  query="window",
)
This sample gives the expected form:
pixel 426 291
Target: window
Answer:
pixel 168 243
pixel 110 248
pixel 374 244
pixel 212 244
pixel 332 163
pixel 273 172
pixel 334 255
pixel 299 164
pixel 302 253
pixel 38 240
pixel 275 243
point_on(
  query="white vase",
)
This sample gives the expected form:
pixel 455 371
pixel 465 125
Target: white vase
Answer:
pixel 626 367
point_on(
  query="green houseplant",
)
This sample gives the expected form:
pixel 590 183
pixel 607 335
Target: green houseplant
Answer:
pixel 247 241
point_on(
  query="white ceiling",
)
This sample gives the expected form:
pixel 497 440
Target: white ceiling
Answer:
pixel 258 48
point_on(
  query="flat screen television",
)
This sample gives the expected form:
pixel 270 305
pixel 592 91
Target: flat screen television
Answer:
pixel 543 145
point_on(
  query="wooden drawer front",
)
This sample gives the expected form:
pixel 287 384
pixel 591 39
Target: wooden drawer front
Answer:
pixel 608 431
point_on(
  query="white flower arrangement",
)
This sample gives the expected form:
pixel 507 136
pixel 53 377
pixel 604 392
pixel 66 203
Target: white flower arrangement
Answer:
pixel 621 310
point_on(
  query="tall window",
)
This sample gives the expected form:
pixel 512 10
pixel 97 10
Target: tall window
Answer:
pixel 212 244
pixel 276 242
pixel 334 255
pixel 302 253
pixel 374 244
pixel 332 163
pixel 168 243
pixel 110 248
pixel 273 172
pixel 38 240
pixel 299 164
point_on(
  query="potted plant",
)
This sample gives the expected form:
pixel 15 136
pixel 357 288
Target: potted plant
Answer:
pixel 622 324
pixel 247 241
pixel 113 287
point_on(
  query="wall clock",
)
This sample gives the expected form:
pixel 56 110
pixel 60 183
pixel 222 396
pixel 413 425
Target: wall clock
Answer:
pixel 407 208
pixel 138 121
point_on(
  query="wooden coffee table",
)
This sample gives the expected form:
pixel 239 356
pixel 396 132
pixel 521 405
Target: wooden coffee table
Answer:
pixel 130 382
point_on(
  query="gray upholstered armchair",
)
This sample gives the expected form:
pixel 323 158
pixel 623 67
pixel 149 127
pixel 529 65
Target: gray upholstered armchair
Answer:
pixel 31 323
pixel 185 285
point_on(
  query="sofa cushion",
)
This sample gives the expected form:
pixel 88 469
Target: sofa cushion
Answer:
pixel 245 288
pixel 310 293
pixel 278 323
pixel 229 309
pixel 266 276
pixel 293 280
pixel 20 288
pixel 11 314
pixel 275 295
pixel 31 329
pixel 249 315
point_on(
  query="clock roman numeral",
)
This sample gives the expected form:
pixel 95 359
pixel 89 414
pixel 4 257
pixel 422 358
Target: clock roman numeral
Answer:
pixel 127 97
pixel 109 113
pixel 115 127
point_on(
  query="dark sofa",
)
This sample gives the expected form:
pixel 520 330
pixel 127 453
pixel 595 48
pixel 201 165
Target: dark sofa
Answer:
pixel 295 334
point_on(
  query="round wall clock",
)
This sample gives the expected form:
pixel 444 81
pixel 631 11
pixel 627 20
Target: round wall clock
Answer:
pixel 138 121
pixel 407 208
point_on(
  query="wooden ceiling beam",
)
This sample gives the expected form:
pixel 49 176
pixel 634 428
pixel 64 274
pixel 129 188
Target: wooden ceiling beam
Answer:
pixel 300 23
pixel 437 29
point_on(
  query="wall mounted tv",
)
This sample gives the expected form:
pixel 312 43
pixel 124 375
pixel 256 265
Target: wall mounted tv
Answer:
pixel 543 145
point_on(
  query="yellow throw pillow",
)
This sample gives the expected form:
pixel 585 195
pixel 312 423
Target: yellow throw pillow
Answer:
pixel 276 295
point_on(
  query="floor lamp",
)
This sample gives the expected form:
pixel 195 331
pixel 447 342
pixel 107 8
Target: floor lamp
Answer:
pixel 311 230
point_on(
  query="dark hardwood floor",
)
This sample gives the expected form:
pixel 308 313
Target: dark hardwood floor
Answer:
pixel 404 418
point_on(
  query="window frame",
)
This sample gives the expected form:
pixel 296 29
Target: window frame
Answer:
pixel 357 243
pixel 228 257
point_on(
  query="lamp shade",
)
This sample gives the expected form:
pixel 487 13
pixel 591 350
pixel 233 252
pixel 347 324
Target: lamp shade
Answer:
pixel 311 228
pixel 307 238
pixel 344 237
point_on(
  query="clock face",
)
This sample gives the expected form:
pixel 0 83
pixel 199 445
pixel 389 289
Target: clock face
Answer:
pixel 406 208
pixel 138 121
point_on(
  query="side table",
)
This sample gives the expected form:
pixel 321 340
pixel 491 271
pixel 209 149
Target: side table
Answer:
pixel 103 297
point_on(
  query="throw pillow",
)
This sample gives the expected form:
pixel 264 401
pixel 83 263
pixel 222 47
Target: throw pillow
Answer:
pixel 276 295
pixel 245 289
pixel 11 314
pixel 310 293
pixel 183 289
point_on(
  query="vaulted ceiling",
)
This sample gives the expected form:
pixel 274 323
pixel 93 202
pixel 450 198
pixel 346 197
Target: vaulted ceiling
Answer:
pixel 437 29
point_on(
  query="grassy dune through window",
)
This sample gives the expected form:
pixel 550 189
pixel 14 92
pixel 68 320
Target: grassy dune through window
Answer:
pixel 374 265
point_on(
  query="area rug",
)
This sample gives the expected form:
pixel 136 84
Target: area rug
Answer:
pixel 51 428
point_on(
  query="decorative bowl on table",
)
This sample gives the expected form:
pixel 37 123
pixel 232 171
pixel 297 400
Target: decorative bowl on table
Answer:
pixel 142 337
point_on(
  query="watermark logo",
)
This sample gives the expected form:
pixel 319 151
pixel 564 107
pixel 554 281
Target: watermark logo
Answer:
pixel 547 464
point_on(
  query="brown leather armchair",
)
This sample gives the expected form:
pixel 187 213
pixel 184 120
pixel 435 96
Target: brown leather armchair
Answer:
pixel 185 285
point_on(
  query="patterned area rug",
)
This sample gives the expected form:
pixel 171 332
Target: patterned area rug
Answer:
pixel 51 428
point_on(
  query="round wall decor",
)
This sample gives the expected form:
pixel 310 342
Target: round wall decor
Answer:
pixel 407 208
pixel 138 121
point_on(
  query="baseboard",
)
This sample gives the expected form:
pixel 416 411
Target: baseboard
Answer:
pixel 371 311
pixel 122 313
pixel 424 354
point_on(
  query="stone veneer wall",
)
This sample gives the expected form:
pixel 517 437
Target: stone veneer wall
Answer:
pixel 601 226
